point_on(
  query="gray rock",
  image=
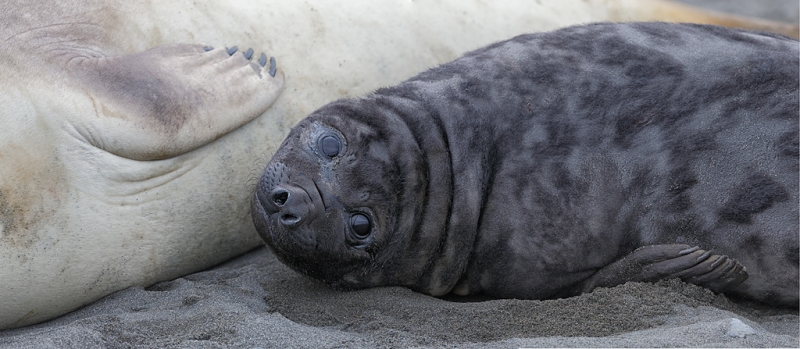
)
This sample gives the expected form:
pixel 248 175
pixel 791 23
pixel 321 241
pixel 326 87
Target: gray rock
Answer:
pixel 739 329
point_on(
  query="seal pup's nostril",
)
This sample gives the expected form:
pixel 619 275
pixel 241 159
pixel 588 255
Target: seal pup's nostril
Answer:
pixel 280 196
pixel 290 220
pixel 288 204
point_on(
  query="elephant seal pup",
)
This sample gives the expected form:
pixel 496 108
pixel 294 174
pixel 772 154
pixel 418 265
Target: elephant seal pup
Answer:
pixel 550 164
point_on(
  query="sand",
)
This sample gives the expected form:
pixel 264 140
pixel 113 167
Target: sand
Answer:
pixel 256 302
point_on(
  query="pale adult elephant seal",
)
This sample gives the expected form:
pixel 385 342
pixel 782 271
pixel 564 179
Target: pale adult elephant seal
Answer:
pixel 550 164
pixel 121 163
pixel 106 178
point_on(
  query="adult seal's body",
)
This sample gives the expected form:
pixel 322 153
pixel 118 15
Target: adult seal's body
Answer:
pixel 551 164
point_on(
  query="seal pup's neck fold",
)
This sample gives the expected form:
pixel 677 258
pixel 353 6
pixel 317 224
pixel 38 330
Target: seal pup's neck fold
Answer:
pixel 445 244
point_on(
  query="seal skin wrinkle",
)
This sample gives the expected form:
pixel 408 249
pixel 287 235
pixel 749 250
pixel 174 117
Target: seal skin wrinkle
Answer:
pixel 551 164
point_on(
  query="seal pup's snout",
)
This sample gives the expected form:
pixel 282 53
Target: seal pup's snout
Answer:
pixel 288 204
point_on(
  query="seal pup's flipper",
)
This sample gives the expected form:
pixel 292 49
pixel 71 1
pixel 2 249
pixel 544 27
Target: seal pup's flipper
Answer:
pixel 657 262
pixel 171 99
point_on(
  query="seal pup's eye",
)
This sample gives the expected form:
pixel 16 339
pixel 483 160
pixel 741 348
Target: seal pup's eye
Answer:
pixel 361 225
pixel 330 146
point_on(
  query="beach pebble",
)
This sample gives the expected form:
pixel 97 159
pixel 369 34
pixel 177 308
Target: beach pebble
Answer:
pixel 739 329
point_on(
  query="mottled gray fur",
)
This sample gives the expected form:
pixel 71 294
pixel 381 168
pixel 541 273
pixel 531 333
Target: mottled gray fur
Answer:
pixel 550 164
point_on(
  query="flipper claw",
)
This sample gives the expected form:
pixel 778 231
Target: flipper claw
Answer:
pixel 704 256
pixel 233 50
pixel 263 59
pixel 272 66
pixel 718 261
pixel 248 54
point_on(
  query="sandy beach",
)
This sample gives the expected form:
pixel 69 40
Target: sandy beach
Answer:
pixel 255 301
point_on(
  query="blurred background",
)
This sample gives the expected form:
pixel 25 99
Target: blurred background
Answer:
pixel 779 10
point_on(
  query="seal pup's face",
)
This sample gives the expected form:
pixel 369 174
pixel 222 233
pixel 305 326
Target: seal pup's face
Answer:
pixel 336 192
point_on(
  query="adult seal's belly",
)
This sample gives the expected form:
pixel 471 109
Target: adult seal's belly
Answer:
pixel 551 164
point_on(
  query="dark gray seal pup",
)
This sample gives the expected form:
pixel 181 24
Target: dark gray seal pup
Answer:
pixel 550 164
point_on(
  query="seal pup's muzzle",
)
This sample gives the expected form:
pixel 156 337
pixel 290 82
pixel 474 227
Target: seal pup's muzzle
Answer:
pixel 290 204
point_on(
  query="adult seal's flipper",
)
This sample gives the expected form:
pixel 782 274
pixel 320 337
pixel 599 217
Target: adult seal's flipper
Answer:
pixel 657 262
pixel 171 99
